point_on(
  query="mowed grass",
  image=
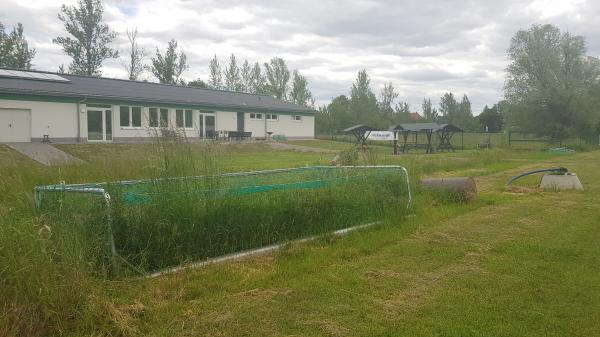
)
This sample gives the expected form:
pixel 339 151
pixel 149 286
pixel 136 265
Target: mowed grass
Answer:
pixel 508 264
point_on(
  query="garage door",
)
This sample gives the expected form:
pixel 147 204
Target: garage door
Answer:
pixel 15 125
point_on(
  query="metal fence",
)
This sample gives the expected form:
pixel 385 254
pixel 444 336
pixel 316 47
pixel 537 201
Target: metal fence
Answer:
pixel 476 140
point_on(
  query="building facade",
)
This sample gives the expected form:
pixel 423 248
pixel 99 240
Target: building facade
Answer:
pixel 35 106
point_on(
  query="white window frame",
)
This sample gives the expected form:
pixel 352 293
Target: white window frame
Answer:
pixel 158 117
pixel 130 125
pixel 270 118
pixel 297 118
pixel 255 116
pixel 184 119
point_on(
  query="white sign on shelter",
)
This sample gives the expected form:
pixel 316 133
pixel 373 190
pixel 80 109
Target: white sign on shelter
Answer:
pixel 381 135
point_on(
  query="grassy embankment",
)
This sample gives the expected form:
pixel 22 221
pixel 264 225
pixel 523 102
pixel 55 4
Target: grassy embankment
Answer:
pixel 508 264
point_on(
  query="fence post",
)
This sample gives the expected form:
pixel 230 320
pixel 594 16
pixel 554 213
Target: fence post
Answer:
pixel 509 134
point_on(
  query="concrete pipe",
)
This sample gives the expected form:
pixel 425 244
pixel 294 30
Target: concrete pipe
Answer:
pixel 463 188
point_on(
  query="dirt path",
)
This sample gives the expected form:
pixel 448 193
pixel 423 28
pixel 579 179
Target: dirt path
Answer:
pixel 44 153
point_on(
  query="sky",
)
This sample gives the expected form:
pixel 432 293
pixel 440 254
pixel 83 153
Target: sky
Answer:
pixel 425 48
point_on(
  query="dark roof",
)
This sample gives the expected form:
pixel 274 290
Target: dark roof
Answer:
pixel 416 127
pixel 451 127
pixel 359 128
pixel 117 89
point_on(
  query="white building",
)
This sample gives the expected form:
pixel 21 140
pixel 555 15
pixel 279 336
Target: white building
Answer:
pixel 69 109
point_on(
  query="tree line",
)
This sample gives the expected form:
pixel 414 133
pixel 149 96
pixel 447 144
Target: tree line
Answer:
pixel 88 43
pixel 381 111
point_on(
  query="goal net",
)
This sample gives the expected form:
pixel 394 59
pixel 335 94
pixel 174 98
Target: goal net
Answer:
pixel 157 223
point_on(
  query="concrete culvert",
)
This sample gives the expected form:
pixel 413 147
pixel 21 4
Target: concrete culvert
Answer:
pixel 463 188
pixel 559 182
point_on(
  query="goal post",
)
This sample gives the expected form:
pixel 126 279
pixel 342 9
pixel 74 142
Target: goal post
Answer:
pixel 305 198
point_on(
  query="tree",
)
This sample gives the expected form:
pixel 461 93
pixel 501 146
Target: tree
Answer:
pixel 168 67
pixel 246 73
pixel 134 65
pixel 14 49
pixel 429 112
pixel 386 100
pixel 198 83
pixel 456 113
pixel 277 78
pixel 491 119
pixel 363 104
pixel 89 44
pixel 464 108
pixel 215 79
pixel 233 80
pixel 402 108
pixel 256 81
pixel 448 106
pixel 334 117
pixel 551 82
pixel 300 94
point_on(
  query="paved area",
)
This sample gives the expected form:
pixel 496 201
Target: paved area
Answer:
pixel 44 153
pixel 300 148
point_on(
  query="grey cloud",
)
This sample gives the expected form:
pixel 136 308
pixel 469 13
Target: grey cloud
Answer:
pixel 424 47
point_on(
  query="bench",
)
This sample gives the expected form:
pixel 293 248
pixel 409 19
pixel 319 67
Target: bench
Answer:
pixel 239 135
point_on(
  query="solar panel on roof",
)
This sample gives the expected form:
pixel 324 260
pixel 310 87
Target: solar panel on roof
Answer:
pixel 31 75
pixel 55 77
pixel 17 73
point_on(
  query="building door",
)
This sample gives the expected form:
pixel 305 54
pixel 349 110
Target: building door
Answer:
pixel 207 126
pixel 240 121
pixel 99 125
pixel 15 125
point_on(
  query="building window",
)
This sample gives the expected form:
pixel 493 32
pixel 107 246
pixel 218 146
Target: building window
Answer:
pixel 296 117
pixel 130 116
pixel 124 116
pixel 153 117
pixel 188 119
pixel 179 118
pixel 255 116
pixel 136 116
pixel 183 118
pixel 272 117
pixel 164 118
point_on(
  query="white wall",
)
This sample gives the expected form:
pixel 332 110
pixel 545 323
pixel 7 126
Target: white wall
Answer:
pixel 226 121
pixel 285 125
pixel 256 126
pixel 58 120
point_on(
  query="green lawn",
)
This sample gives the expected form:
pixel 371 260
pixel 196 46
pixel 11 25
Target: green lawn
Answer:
pixel 506 265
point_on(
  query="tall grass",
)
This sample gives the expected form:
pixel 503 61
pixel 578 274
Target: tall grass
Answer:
pixel 160 223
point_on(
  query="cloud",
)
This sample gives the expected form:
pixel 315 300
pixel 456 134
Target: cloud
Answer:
pixel 425 48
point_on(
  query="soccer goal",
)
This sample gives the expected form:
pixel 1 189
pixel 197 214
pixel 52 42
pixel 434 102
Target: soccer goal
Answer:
pixel 159 223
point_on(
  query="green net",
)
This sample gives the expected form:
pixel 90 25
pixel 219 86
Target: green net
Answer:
pixel 163 222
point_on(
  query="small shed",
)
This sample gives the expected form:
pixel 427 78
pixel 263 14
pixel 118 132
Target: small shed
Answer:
pixel 361 133
pixel 444 132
